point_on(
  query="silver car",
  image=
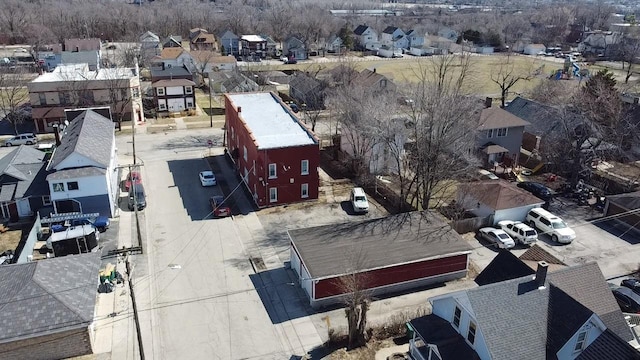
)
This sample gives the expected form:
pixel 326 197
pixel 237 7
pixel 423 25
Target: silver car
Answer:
pixel 21 139
pixel 498 237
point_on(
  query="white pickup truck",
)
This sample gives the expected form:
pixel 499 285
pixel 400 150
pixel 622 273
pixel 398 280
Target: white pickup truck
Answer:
pixel 519 231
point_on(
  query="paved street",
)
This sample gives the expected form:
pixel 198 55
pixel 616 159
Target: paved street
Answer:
pixel 220 288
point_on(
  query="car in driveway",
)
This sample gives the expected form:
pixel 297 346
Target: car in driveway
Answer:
pixel 219 206
pixel 497 236
pixel 633 284
pixel 519 231
pixel 628 300
pixel 551 225
pixel 207 178
pixel 132 178
pixel 536 189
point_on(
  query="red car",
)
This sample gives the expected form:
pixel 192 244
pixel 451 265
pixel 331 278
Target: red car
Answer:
pixel 132 178
pixel 220 209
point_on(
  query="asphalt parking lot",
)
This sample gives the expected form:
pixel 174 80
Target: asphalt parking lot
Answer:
pixel 617 252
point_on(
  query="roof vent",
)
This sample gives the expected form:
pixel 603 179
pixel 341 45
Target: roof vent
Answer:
pixel 541 274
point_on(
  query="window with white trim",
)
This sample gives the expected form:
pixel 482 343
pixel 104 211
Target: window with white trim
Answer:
pixel 189 104
pixel 245 152
pixel 471 335
pixel 304 165
pixel 58 187
pixel 501 132
pixel 72 185
pixel 160 91
pixel 188 90
pixel 581 341
pixel 304 191
pixel 273 195
pixel 489 133
pixel 46 200
pixel 272 171
pixel 457 313
pixel 162 106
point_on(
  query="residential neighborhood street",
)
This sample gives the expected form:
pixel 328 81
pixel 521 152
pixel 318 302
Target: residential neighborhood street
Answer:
pixel 201 289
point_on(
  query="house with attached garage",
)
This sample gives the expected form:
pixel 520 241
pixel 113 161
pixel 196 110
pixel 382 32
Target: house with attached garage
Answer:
pixel 498 199
pixel 52 303
pixel 499 137
pixel 275 154
pixel 83 174
pixel 567 314
pixel 391 254
pixel 23 184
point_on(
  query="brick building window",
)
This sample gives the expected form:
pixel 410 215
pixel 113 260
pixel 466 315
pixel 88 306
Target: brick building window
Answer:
pixel 272 171
pixel 304 191
pixel 273 195
pixel 304 165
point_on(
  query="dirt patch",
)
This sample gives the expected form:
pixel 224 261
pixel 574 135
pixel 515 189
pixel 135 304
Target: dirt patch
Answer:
pixel 10 239
pixel 366 352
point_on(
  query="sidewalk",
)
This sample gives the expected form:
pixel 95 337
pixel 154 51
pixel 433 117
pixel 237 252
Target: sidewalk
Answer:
pixel 114 328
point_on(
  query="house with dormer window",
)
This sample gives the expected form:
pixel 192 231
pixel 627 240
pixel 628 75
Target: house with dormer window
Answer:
pixel 566 314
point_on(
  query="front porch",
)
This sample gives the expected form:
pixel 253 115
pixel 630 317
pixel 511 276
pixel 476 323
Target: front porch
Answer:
pixel 435 339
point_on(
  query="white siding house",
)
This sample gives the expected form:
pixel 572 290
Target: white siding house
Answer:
pixel 83 168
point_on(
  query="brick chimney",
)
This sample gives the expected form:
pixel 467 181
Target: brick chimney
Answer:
pixel 541 274
pixel 56 133
pixel 487 102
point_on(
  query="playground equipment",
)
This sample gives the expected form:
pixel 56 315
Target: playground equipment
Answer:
pixel 569 70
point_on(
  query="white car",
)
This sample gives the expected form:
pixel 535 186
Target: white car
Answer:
pixel 21 139
pixel 498 237
pixel 519 231
pixel 207 178
pixel 549 224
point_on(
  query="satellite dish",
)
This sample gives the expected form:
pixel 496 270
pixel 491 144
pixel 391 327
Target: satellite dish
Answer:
pixel 66 123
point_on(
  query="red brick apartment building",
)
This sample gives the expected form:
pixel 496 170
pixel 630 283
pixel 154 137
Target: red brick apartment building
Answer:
pixel 275 154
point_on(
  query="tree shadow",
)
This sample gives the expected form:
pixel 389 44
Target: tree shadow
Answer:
pixel 190 142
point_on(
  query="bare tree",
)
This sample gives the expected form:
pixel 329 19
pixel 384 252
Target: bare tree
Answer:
pixel 629 51
pixel 13 94
pixel 507 75
pixel 357 299
pixel 15 18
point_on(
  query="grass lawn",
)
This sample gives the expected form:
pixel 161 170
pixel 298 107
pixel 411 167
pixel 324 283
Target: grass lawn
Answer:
pixel 163 121
pixel 478 81
pixel 202 99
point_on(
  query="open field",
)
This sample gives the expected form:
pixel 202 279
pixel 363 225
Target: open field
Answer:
pixel 478 81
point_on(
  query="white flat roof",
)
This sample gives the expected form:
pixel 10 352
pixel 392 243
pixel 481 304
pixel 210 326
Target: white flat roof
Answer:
pixel 81 72
pixel 253 38
pixel 272 126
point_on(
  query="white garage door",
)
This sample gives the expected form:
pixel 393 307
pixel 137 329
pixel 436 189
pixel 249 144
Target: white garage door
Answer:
pixel 175 104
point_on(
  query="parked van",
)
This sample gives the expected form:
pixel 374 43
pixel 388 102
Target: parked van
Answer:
pixel 550 224
pixel 137 197
pixel 359 200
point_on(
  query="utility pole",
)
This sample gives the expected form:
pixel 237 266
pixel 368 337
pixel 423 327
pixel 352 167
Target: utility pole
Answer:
pixel 136 319
pixel 210 104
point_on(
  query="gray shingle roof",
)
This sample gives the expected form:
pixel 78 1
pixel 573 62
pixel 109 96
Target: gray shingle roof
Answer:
pixel 629 201
pixel 512 310
pixel 437 331
pixel 76 173
pixel 22 173
pixel 609 347
pixel 542 118
pixel 384 242
pixel 48 295
pixel 505 266
pixel 90 135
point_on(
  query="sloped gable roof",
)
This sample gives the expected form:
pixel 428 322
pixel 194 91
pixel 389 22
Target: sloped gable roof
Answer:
pixel 90 135
pixel 505 266
pixel 496 118
pixel 390 29
pixel 171 53
pixel 360 30
pixel 304 83
pixel 23 174
pixel 149 36
pixel 50 295
pixel 498 194
pixel 608 346
pixel 541 118
pixel 369 78
pixel 512 310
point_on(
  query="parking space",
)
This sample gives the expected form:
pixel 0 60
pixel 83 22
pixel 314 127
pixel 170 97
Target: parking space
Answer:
pixel 616 250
